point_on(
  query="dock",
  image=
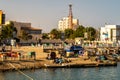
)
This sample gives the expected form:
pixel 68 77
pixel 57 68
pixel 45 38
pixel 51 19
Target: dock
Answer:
pixel 81 65
pixel 38 64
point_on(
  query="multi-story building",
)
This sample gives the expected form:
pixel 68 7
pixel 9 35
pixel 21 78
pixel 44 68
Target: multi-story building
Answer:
pixel 75 23
pixel 2 17
pixel 34 32
pixel 110 33
pixel 64 23
pixel 20 26
pixel 68 22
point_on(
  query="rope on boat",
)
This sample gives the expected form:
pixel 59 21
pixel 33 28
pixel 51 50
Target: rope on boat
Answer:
pixel 21 72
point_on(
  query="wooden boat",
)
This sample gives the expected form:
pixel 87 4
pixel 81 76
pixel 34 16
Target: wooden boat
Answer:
pixel 111 58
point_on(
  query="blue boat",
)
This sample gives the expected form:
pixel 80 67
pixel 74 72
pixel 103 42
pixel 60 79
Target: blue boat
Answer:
pixel 74 50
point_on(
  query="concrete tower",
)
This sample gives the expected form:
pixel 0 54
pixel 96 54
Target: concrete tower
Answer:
pixel 70 17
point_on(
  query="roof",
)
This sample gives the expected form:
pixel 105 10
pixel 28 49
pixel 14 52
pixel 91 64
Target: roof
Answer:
pixel 56 41
pixel 30 28
pixel 70 41
pixel 51 41
pixel 34 28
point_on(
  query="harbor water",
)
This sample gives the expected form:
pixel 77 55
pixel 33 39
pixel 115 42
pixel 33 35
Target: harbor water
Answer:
pixel 95 73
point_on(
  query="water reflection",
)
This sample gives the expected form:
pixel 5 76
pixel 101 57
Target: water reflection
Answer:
pixel 103 73
pixel 2 76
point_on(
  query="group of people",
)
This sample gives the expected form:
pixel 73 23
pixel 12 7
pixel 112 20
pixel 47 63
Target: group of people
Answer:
pixel 57 60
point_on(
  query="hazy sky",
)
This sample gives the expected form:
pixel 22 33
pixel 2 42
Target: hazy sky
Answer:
pixel 45 14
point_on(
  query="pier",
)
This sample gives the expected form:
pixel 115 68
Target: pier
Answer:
pixel 43 63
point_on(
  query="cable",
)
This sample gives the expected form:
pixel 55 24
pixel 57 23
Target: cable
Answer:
pixel 21 72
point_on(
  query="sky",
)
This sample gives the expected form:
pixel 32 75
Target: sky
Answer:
pixel 45 14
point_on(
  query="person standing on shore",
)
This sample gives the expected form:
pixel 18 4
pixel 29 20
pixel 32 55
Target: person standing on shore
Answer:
pixel 3 48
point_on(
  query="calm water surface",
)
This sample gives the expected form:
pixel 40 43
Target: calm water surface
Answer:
pixel 102 73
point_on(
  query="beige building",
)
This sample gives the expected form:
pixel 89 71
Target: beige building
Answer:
pixel 35 33
pixel 64 24
pixel 2 17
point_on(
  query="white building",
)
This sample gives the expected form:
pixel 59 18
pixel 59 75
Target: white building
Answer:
pixel 64 23
pixel 110 33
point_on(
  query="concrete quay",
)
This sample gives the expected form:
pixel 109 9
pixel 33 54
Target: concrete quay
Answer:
pixel 43 63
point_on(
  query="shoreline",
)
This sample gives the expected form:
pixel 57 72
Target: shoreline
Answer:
pixel 40 64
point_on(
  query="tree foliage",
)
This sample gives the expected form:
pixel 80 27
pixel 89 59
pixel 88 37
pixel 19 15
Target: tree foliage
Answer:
pixel 45 36
pixel 80 31
pixel 71 34
pixel 55 34
pixel 91 32
pixel 24 35
pixel 68 33
pixel 7 31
